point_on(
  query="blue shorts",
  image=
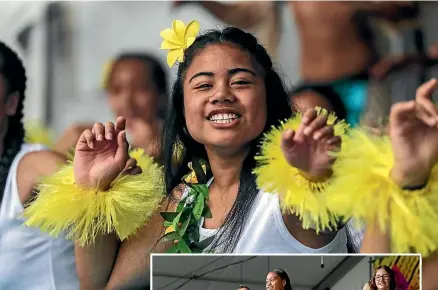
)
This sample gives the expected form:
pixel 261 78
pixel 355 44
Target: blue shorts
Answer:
pixel 354 96
pixel 349 95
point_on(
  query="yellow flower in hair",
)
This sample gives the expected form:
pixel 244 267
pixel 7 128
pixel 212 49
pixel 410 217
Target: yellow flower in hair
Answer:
pixel 178 38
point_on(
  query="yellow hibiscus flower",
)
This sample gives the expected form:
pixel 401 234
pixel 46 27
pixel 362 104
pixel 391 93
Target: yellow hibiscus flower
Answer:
pixel 178 38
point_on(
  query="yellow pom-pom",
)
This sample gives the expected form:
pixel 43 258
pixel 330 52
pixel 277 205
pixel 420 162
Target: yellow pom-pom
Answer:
pixel 298 195
pixel 85 214
pixel 37 133
pixel 362 188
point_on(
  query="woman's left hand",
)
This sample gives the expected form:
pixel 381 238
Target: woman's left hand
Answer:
pixel 414 137
pixel 308 148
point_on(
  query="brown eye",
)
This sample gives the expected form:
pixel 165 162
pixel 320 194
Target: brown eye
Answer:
pixel 203 87
pixel 241 83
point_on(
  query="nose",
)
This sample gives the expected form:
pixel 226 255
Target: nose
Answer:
pixel 222 94
pixel 127 102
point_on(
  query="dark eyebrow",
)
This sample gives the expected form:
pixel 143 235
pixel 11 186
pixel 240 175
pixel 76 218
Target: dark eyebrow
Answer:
pixel 209 74
pixel 239 69
pixel 230 73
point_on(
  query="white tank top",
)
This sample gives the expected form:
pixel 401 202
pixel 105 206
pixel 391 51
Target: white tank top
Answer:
pixel 266 233
pixel 30 259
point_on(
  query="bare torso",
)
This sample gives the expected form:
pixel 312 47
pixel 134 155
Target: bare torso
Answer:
pixel 331 46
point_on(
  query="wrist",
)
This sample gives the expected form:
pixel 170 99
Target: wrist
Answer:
pixel 409 178
pixel 87 185
pixel 317 177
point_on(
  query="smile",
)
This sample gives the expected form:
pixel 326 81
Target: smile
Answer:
pixel 224 118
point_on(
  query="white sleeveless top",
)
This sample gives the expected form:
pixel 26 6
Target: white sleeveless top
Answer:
pixel 30 259
pixel 266 233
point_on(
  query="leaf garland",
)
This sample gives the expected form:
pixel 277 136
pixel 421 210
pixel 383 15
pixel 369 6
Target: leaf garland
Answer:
pixel 182 226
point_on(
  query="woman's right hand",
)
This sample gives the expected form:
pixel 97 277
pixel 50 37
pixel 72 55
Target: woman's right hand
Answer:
pixel 101 155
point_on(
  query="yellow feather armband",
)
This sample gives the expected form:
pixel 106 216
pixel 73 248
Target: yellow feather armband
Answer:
pixel 298 195
pixel 362 188
pixel 84 214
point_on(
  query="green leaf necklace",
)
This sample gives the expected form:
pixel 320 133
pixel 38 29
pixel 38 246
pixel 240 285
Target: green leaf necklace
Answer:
pixel 182 226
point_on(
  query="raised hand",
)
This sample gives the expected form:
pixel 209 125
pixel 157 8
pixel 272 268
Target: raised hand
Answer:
pixel 308 148
pixel 70 137
pixel 101 155
pixel 414 137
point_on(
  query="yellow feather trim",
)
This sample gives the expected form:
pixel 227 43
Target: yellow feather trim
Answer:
pixel 37 133
pixel 85 214
pixel 298 194
pixel 362 188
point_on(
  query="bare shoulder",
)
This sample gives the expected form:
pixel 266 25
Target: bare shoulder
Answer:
pixel 34 166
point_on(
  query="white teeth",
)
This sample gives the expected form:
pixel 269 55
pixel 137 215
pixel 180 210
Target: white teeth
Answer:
pixel 223 118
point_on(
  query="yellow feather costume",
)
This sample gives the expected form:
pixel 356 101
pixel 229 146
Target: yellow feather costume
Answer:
pixel 298 195
pixel 362 188
pixel 86 213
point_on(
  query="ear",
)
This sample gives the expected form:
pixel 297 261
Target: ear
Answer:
pixel 12 104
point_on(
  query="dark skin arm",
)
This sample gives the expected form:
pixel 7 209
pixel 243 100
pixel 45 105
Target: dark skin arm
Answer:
pixel 32 167
pixel 109 264
pixel 375 241
pixel 394 63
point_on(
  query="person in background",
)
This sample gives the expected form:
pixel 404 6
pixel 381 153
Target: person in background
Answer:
pixel 136 85
pixel 263 18
pixel 29 259
pixel 243 287
pixel 278 279
pixel 325 97
pixel 336 41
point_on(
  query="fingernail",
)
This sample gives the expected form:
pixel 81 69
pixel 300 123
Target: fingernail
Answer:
pixel 109 136
pixel 100 137
pixel 307 131
pixel 316 136
pixel 91 145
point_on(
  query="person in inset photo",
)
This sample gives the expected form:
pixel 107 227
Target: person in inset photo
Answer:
pixel 278 279
pixel 384 279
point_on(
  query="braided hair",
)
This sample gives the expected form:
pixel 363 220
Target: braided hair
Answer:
pixel 14 74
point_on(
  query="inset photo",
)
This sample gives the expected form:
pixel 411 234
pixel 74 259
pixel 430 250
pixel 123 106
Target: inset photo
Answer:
pixel 302 272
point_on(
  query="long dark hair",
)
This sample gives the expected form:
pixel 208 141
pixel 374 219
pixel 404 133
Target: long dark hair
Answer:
pixel 284 276
pixel 392 283
pixel 14 74
pixel 176 133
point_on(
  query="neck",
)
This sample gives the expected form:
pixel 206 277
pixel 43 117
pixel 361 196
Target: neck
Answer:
pixel 226 167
